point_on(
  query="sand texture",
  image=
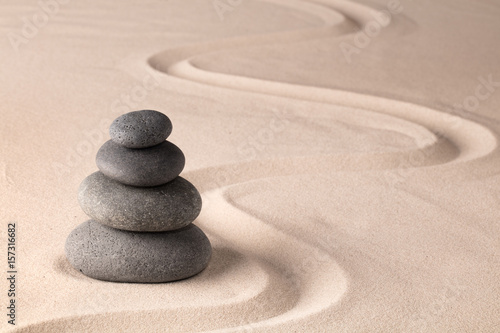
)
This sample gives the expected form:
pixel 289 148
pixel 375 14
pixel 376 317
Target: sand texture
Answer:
pixel 348 161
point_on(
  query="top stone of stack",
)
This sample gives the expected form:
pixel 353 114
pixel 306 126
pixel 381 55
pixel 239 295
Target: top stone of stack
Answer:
pixel 140 129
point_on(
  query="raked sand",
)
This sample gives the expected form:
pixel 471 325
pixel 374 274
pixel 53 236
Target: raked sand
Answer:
pixel 348 161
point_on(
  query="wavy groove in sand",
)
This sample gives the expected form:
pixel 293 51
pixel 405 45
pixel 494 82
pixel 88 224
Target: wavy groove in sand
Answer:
pixel 263 295
pixel 319 285
pixel 470 140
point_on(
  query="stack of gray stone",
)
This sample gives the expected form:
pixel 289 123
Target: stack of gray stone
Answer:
pixel 141 209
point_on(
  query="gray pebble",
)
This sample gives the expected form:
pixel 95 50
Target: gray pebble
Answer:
pixel 140 129
pixel 160 208
pixel 140 167
pixel 104 253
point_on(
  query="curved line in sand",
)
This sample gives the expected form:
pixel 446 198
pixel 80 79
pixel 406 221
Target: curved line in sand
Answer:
pixel 271 294
pixel 471 139
pixel 320 280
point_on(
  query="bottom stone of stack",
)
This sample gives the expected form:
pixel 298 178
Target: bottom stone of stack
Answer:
pixel 110 254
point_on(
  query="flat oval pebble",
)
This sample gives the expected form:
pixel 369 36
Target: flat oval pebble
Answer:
pixel 160 208
pixel 141 167
pixel 140 129
pixel 104 253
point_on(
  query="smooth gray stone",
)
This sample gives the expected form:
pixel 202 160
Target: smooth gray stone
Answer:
pixel 140 129
pixel 104 253
pixel 152 166
pixel 167 207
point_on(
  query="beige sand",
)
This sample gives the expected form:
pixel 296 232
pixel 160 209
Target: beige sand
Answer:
pixel 350 179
